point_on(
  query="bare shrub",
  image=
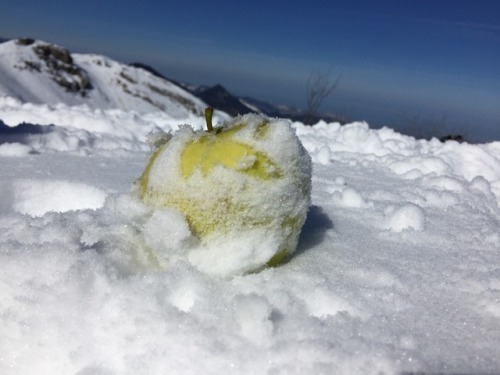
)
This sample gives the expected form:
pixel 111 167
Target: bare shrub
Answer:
pixel 318 88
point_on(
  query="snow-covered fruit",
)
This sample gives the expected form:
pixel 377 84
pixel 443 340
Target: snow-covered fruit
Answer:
pixel 246 183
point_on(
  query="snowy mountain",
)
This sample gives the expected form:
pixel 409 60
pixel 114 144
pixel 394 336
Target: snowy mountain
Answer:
pixel 37 72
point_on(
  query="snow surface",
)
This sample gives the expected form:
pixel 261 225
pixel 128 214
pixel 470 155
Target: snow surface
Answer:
pixel 397 268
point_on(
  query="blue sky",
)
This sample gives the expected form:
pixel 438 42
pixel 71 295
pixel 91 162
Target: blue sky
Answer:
pixel 405 64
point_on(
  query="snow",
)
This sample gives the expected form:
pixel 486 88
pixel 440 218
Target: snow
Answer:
pixel 407 216
pixel 396 270
pixel 14 149
pixel 37 197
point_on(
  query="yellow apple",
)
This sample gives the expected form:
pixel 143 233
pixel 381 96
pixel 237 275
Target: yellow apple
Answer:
pixel 251 174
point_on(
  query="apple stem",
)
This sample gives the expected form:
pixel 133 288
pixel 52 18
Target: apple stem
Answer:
pixel 209 111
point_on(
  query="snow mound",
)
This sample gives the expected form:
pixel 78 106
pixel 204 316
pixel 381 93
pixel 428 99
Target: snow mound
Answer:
pixel 14 149
pixel 407 216
pixel 37 197
pixel 83 130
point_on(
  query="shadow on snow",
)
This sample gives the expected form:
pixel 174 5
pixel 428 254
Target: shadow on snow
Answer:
pixel 22 132
pixel 314 229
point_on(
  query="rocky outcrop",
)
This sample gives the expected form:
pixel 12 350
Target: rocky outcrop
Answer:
pixel 58 64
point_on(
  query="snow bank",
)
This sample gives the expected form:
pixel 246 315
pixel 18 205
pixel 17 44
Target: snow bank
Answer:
pixel 37 197
pixel 412 159
pixel 80 129
pixel 14 149
pixel 396 268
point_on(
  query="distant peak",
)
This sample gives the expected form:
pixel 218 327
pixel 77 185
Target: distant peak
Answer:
pixel 218 88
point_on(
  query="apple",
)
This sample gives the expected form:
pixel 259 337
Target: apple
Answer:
pixel 251 175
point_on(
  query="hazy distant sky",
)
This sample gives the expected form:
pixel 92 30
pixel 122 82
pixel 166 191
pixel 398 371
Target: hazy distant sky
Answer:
pixel 398 61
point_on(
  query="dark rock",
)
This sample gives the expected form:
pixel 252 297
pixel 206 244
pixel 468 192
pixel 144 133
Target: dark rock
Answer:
pixel 52 54
pixel 61 68
pixel 452 137
pixel 25 41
